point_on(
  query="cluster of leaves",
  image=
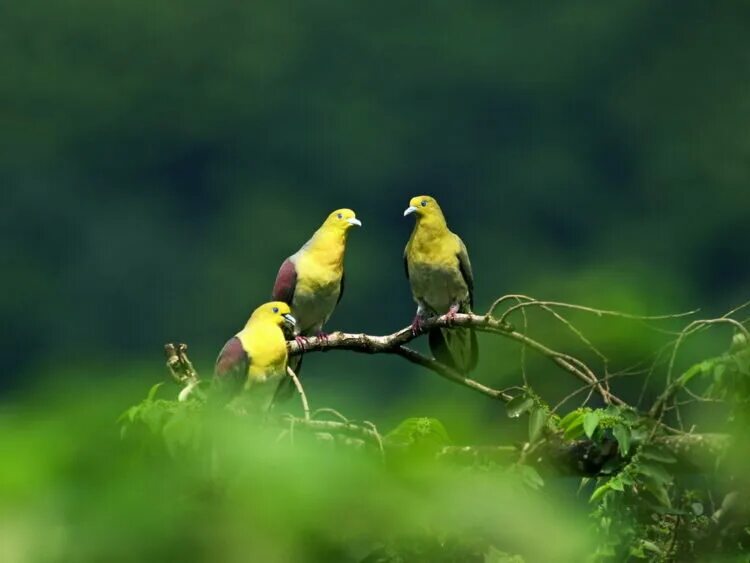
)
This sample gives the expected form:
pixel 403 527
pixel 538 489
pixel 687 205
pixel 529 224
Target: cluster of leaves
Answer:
pixel 538 411
pixel 728 375
pixel 645 503
pixel 412 446
pixel 176 421
pixel 641 511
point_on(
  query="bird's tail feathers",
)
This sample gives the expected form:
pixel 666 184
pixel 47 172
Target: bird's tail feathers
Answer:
pixel 456 347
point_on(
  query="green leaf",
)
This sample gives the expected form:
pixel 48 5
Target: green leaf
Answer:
pixel 181 430
pixel 536 423
pixel 599 492
pixel 519 405
pixel 719 371
pixel 568 418
pixel 739 341
pixel 613 411
pixel 584 481
pixel 651 546
pixel 152 392
pixel 530 476
pixel 616 484
pixel 697 508
pixel 575 429
pixel 655 472
pixel 622 435
pixel 658 491
pixel 419 431
pixel 153 416
pixel 129 414
pixel 657 454
pixel 590 422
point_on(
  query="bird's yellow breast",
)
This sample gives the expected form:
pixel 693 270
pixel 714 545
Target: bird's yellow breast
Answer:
pixel 434 269
pixel 266 346
pixel 434 248
pixel 321 265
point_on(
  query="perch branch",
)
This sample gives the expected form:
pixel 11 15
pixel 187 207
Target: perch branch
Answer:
pixel 182 370
pixel 396 344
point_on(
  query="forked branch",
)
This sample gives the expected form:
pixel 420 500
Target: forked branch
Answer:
pixel 396 344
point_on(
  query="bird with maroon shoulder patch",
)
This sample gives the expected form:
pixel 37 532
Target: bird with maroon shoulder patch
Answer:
pixel 311 281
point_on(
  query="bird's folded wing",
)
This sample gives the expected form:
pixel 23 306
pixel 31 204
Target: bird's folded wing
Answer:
pixel 231 366
pixel 465 266
pixel 286 282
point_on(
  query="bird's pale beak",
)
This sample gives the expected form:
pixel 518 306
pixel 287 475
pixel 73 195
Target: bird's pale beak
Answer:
pixel 409 210
pixel 291 321
pixel 354 221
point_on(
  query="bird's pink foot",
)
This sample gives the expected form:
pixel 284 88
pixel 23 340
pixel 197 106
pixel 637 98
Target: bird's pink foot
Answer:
pixel 451 314
pixel 323 336
pixel 302 341
pixel 416 325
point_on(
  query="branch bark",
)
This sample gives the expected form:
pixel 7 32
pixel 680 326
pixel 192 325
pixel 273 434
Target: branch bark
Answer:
pixel 183 371
pixel 396 344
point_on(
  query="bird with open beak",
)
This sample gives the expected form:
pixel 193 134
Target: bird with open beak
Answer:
pixel 439 271
pixel 311 281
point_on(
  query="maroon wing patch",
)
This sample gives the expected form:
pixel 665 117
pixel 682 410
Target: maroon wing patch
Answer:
pixel 286 282
pixel 230 372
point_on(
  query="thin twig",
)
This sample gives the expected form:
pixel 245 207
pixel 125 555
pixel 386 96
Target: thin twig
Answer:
pixel 328 410
pixel 674 386
pixel 341 427
pixel 523 351
pixel 572 365
pixel 181 369
pixel 598 312
pixel 301 391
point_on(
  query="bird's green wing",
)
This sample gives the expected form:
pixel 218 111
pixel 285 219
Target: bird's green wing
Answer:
pixel 464 265
pixel 341 288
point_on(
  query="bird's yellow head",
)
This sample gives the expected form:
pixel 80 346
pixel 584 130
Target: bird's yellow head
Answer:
pixel 276 312
pixel 424 206
pixel 342 220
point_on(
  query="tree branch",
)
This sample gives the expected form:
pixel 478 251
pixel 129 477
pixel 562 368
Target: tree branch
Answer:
pixel 183 371
pixel 395 344
pixel 581 457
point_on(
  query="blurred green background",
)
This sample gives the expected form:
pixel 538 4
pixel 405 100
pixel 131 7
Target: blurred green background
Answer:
pixel 160 161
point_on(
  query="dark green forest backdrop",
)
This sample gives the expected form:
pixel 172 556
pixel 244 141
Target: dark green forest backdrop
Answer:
pixel 159 160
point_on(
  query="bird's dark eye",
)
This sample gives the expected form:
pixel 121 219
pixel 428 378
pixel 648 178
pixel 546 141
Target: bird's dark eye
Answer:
pixel 275 309
pixel 340 216
pixel 424 203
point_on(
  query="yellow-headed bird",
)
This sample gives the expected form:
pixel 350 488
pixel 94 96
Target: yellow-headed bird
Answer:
pixel 438 268
pixel 311 281
pixel 256 357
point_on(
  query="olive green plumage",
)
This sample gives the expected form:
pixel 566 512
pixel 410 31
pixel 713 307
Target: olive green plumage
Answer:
pixel 439 271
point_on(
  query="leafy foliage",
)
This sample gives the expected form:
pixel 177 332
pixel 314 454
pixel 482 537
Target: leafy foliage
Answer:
pixel 228 481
